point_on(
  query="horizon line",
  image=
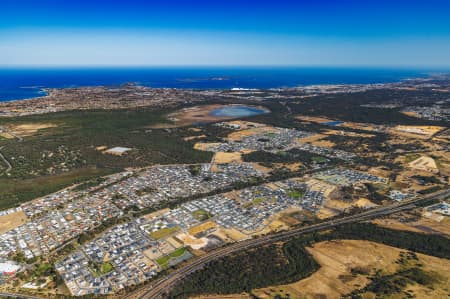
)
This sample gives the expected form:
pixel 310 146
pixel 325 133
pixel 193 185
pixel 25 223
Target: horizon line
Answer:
pixel 249 66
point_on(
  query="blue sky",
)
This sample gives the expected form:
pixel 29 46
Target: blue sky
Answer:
pixel 144 33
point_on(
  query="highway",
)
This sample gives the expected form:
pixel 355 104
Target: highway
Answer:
pixel 19 296
pixel 161 287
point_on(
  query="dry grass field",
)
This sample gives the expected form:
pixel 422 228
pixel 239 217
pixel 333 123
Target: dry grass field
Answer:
pixel 335 278
pixel 156 214
pixel 314 119
pixel 317 140
pixel 202 227
pixel 11 221
pixel 222 158
pixel 30 129
pixel 238 135
pixel 234 234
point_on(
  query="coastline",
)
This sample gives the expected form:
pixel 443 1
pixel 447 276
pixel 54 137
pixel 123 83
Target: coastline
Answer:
pixel 13 83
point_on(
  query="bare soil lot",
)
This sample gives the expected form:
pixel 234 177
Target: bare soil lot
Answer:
pixel 11 221
pixel 221 158
pixel 24 130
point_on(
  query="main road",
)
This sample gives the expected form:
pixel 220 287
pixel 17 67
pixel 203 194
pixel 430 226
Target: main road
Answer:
pixel 18 296
pixel 161 287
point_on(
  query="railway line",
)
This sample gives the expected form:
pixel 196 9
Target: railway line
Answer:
pixel 161 287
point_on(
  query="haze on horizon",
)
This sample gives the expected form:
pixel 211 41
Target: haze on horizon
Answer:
pixel 181 33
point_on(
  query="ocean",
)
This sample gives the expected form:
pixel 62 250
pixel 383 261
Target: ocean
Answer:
pixel 22 83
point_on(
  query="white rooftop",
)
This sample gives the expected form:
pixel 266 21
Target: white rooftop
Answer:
pixel 7 267
pixel 118 149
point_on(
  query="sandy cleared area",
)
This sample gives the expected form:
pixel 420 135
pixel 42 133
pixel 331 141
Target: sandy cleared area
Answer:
pixel 348 133
pixel 314 119
pixel 6 135
pixel 424 163
pixel 337 258
pixel 261 168
pixel 175 243
pixel 378 171
pixel 205 146
pixel 318 185
pixel 11 221
pixel 222 158
pixel 30 129
pixel 277 225
pixel 410 113
pixel 189 138
pixel 153 253
pixel 156 214
pixel 238 135
pixel 193 242
pixel 325 213
pixel 364 203
pixel 419 130
pixel 363 126
pixel 243 125
pixel 234 234
pixel 333 207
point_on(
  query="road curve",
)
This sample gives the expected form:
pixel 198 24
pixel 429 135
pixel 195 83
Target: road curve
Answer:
pixel 160 288
pixel 8 165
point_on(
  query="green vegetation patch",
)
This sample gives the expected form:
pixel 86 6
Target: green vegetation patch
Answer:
pixel 195 169
pixel 101 269
pixel 177 253
pixel 319 159
pixel 291 156
pixel 163 261
pixel 411 157
pixel 430 190
pixel 13 192
pixel 146 190
pixel 427 179
pixel 67 154
pixel 201 215
pixel 244 271
pixel 295 193
pixel 106 267
pixel 258 200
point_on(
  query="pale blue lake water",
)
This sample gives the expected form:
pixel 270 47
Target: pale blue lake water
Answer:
pixel 238 111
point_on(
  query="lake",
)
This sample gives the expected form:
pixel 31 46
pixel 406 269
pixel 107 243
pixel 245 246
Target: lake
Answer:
pixel 237 111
